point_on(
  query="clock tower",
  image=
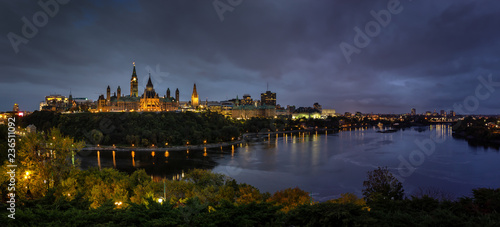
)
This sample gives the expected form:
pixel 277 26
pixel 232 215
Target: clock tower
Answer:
pixel 134 89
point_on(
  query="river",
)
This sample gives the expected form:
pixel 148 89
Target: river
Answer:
pixel 327 165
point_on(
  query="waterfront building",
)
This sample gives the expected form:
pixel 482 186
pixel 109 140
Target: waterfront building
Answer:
pixel 195 101
pixel 328 113
pixel 268 98
pixel 227 108
pixel 55 102
pixel 249 111
pixel 214 106
pixel 306 112
pixel 149 101
pixel 247 100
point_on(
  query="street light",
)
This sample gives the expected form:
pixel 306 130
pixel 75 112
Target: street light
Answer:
pixel 27 175
pixel 28 192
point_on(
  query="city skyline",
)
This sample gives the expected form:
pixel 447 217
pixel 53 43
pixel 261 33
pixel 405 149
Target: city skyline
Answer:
pixel 380 57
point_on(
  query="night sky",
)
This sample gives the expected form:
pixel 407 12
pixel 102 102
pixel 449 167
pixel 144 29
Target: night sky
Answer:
pixel 428 55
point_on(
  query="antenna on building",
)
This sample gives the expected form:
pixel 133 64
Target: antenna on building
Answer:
pixel 267 86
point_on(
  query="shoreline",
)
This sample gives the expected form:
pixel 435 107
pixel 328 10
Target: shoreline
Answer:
pixel 245 138
pixel 475 139
pixel 172 148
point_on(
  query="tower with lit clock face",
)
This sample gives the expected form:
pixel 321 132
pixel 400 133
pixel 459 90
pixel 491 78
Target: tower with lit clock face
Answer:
pixel 134 85
pixel 195 101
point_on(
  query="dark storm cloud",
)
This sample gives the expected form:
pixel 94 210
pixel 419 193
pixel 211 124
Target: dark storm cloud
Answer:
pixel 429 56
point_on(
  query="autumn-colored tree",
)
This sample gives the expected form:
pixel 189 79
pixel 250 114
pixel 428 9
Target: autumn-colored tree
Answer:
pixel 207 186
pixel 382 185
pixel 45 159
pixel 99 186
pixel 347 198
pixel 249 194
pixel 290 198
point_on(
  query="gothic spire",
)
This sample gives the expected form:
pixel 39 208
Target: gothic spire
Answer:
pixel 134 74
pixel 150 84
pixel 195 93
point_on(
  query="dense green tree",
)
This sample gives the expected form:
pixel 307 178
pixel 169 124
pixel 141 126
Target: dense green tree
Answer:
pixel 382 185
pixel 330 214
pixel 350 198
pixel 3 142
pixel 131 128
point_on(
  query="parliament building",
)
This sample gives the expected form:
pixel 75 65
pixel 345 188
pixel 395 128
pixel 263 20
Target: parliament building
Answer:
pixel 148 101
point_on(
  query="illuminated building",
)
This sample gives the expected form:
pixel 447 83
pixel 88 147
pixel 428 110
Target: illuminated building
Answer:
pixel 413 111
pixel 54 102
pixel 149 101
pixel 306 112
pixel 328 113
pixel 268 98
pixel 195 101
pixel 247 100
pixel 249 111
pixel 214 106
pixel 227 108
pixel 177 96
pixel 134 82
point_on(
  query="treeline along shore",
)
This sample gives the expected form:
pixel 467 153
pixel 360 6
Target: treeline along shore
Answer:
pixel 178 130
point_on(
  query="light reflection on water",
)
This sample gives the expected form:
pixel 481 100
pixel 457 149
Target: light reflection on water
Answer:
pixel 326 164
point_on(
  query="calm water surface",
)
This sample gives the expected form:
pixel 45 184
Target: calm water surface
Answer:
pixel 329 164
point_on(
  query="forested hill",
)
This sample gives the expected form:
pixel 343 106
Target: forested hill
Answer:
pixel 140 129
